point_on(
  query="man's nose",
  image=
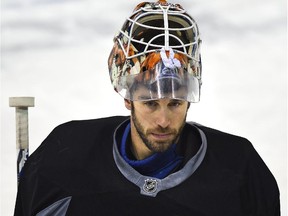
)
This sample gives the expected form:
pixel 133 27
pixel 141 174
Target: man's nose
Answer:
pixel 162 118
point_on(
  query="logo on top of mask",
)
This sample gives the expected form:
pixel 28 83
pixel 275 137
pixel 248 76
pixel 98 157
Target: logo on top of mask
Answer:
pixel 170 65
pixel 150 185
pixel 170 62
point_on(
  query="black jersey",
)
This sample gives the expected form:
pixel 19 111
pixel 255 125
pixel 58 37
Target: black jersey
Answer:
pixel 78 170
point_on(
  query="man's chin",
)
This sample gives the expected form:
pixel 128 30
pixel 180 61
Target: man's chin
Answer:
pixel 159 147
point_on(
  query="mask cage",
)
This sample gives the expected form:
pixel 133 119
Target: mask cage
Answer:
pixel 152 27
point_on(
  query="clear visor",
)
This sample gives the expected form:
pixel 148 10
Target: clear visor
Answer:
pixel 158 83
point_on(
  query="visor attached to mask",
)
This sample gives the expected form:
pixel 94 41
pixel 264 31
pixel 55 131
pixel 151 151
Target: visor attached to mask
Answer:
pixel 168 78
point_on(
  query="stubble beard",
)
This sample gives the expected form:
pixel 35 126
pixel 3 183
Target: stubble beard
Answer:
pixel 156 146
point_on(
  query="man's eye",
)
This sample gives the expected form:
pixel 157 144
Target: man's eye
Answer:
pixel 175 103
pixel 150 104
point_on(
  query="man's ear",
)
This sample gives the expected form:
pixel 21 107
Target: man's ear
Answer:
pixel 128 104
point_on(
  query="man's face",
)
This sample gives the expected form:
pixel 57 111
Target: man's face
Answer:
pixel 156 125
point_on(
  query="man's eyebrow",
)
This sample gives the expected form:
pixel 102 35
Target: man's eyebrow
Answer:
pixel 176 100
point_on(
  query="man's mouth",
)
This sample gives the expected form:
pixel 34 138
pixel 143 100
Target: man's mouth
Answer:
pixel 162 136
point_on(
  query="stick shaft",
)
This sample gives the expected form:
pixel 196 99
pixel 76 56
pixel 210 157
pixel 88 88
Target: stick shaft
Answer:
pixel 22 138
pixel 21 105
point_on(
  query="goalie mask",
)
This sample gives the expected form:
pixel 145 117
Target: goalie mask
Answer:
pixel 156 54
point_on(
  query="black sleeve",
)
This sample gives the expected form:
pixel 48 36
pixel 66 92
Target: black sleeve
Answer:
pixel 261 191
pixel 36 190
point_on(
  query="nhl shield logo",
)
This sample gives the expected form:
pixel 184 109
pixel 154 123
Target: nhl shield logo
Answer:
pixel 150 185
